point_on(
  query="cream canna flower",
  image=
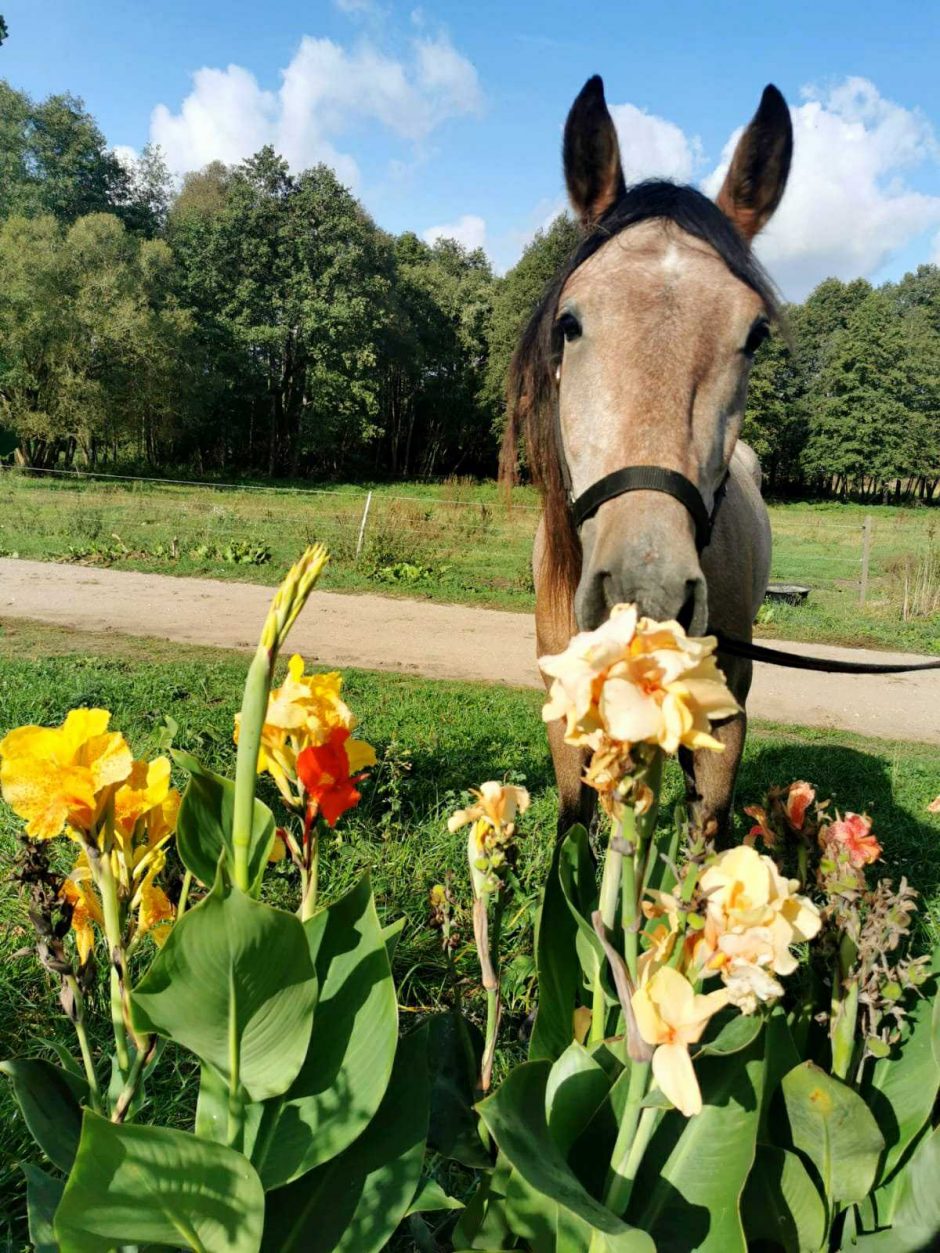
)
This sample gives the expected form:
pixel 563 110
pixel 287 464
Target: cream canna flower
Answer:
pixel 493 819
pixel 753 916
pixel 636 681
pixel 670 1015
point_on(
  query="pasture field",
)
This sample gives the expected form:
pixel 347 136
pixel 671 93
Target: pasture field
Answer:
pixel 458 542
pixel 434 739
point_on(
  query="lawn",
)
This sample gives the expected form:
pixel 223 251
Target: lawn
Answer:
pixel 454 542
pixel 434 739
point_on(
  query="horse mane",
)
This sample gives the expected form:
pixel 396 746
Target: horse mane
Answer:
pixel 531 393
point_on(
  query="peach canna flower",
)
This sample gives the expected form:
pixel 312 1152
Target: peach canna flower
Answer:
pixel 853 833
pixel 670 1015
pixel 637 681
pixel 493 819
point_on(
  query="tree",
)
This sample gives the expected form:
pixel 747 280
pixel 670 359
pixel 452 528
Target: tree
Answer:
pixel 54 159
pixel 516 298
pixel 95 348
pixel 149 192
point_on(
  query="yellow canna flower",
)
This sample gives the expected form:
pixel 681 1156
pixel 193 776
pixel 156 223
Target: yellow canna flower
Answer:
pixel 635 681
pixel 59 777
pixel 146 788
pixel 670 1015
pixel 86 908
pixel 156 913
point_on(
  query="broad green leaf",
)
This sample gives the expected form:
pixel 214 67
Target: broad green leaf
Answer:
pixel 730 1033
pixel 484 1224
pixel 688 1191
pixel 67 1060
pixel 577 875
pixel 836 1130
pixel 431 1199
pixel 234 983
pixel 212 1108
pixel 43 1194
pixel 515 1117
pixel 50 1101
pixel 559 971
pixel 781 1204
pixel 354 1202
pixel 544 1226
pixel 780 1058
pixel 351 1051
pixel 903 1087
pixel 135 1184
pixel 204 825
pixel 915 1225
pixel 455 1047
pixel 391 935
pixel 577 1086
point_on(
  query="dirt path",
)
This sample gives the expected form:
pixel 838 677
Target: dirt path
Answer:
pixel 417 637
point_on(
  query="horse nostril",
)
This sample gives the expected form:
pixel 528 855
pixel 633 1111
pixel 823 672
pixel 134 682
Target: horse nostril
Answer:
pixel 687 612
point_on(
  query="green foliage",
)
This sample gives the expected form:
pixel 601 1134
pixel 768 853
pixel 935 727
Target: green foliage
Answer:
pixel 137 1184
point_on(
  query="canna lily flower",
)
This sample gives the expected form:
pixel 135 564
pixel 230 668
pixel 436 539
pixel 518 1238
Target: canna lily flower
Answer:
pixel 670 1015
pixel 86 908
pixel 748 898
pixel 301 713
pixel 156 913
pixel 146 788
pixel 853 833
pixel 636 681
pixel 493 819
pixel 58 778
pixel 799 796
pixel 326 772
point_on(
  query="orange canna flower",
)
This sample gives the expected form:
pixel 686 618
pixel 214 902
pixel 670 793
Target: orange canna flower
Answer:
pixel 326 772
pixel 800 795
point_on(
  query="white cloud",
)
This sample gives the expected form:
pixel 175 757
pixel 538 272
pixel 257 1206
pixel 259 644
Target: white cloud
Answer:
pixel 126 155
pixel 652 147
pixel 847 210
pixel 468 230
pixel 325 90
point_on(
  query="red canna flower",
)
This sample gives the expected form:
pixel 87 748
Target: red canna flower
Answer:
pixel 324 771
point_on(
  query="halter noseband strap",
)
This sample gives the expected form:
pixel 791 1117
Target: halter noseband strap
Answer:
pixel 639 479
pixel 647 479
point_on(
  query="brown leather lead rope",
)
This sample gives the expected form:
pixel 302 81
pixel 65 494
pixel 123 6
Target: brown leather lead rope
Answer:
pixel 795 661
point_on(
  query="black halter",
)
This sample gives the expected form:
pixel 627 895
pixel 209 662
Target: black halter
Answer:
pixel 639 479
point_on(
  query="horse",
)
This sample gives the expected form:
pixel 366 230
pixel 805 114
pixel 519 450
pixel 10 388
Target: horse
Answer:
pixel 638 356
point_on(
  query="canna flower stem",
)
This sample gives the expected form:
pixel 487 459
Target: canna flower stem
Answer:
pixel 623 1167
pixel 78 1021
pixel 610 890
pixel 310 876
pixel 630 904
pixel 129 1091
pixel 254 705
pixel 111 911
pixel 623 1190
pixel 184 894
pixel 844 1010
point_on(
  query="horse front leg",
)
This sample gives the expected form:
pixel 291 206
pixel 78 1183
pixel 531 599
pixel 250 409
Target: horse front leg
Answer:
pixel 711 780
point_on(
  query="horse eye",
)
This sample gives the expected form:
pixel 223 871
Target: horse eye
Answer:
pixel 569 326
pixel 758 333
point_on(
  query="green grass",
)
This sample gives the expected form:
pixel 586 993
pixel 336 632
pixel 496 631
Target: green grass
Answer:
pixel 452 542
pixel 434 739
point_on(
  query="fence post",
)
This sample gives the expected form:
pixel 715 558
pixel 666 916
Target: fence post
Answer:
pixel 362 525
pixel 866 553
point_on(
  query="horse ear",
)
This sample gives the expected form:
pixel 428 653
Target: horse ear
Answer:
pixel 758 172
pixel 592 155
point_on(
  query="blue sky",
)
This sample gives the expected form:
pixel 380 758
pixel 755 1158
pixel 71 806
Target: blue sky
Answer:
pixel 449 115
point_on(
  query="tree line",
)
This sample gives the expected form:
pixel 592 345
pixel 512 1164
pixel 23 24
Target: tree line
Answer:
pixel 256 321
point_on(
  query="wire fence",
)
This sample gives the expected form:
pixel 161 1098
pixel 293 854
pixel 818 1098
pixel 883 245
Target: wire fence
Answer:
pixel 461 536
